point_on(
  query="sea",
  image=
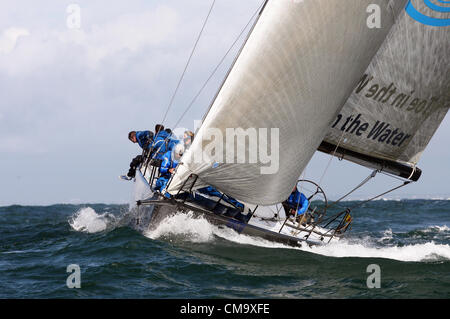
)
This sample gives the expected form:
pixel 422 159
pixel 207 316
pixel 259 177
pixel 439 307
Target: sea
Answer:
pixel 396 249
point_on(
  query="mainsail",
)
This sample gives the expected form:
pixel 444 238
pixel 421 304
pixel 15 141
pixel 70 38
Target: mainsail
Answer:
pixel 399 101
pixel 297 69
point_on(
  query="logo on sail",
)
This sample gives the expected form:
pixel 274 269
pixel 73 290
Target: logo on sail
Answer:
pixel 443 8
pixel 259 146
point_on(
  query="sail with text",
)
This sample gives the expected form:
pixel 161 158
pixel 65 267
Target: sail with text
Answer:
pixel 295 72
pixel 398 103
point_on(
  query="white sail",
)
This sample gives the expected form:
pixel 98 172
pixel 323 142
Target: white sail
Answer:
pixel 400 101
pixel 297 69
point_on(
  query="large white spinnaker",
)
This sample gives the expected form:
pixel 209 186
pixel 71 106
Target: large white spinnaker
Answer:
pixel 400 100
pixel 294 74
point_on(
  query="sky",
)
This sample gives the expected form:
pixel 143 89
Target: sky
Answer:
pixel 70 92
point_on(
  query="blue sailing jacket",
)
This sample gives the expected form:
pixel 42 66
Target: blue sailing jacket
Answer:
pixel 144 139
pixel 164 142
pixel 298 199
pixel 167 164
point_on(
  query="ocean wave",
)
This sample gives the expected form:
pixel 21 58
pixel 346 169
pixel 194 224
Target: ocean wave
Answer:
pixel 429 251
pixel 87 220
pixel 437 228
pixel 185 226
pixel 387 235
pixel 200 230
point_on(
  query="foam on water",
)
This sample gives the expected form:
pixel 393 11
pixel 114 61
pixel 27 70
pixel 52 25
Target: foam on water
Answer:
pixel 437 228
pixel 87 220
pixel 185 225
pixel 416 252
pixel 387 235
pixel 200 230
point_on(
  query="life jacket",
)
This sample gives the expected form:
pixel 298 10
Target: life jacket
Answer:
pixel 144 139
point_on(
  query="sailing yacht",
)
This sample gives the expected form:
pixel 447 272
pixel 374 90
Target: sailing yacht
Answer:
pixel 326 81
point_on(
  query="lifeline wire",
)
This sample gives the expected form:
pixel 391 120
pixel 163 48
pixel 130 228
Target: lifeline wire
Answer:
pixel 188 62
pixel 331 158
pixel 216 68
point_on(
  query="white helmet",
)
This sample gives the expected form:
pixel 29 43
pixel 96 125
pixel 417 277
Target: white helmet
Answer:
pixel 179 149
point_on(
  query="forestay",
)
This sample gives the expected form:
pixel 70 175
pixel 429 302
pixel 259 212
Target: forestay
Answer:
pixel 399 102
pixel 291 79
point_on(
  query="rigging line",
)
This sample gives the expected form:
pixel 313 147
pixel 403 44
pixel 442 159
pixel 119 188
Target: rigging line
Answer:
pixel 149 157
pixel 331 157
pixel 336 216
pixel 413 171
pixel 216 68
pixel 372 175
pixel 218 65
pixel 331 219
pixel 209 78
pixel 188 62
pixel 387 192
pixel 301 189
pixel 367 179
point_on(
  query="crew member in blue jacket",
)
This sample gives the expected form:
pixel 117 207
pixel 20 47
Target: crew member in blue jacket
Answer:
pixel 164 142
pixel 296 204
pixel 170 161
pixel 145 141
pixel 143 138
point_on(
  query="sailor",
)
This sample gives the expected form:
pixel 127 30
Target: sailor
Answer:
pixel 164 142
pixel 143 138
pixel 296 205
pixel 211 191
pixel 169 163
pixel 188 138
pixel 172 141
